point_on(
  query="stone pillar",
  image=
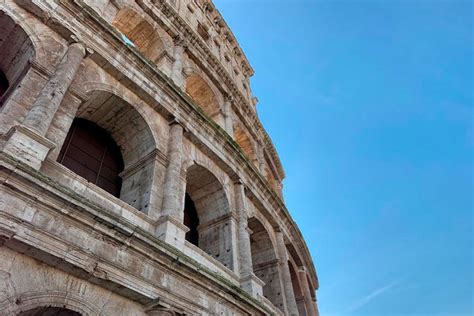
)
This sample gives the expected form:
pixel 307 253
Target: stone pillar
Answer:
pixel 286 276
pixel 279 187
pixel 228 119
pixel 261 159
pixel 308 298
pixel 27 142
pixel 249 282
pixel 244 236
pixel 177 68
pixel 170 227
pixel 41 114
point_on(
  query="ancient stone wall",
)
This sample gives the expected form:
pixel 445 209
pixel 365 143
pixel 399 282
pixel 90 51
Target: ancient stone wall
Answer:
pixel 168 84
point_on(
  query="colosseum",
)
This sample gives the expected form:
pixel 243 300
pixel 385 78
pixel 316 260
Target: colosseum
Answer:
pixel 136 177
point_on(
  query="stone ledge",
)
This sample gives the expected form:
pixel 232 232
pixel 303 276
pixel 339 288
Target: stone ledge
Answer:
pixel 133 233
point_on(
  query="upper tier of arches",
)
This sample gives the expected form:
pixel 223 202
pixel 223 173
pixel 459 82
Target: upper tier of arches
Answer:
pixel 156 40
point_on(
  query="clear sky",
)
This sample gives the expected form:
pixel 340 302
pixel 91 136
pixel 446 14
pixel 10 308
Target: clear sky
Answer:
pixel 370 105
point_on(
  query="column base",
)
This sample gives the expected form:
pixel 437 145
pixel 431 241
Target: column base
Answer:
pixel 253 285
pixel 27 146
pixel 171 231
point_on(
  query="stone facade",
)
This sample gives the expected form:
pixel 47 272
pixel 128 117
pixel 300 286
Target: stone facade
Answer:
pixel 197 224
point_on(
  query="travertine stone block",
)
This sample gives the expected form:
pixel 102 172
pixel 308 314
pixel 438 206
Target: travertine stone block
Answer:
pixel 27 146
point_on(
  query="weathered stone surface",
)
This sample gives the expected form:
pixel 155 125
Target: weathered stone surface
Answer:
pixel 134 67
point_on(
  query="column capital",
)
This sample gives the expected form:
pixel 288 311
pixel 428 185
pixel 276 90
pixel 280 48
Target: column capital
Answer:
pixel 240 182
pixel 74 40
pixel 180 41
pixel 174 121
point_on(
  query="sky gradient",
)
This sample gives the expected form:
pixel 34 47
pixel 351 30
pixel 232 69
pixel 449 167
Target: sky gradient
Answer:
pixel 370 106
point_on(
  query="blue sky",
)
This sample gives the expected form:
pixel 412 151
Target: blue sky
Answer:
pixel 370 106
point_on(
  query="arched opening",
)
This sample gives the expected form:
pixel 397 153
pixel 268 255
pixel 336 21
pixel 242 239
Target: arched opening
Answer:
pixel 16 54
pixel 49 311
pixel 141 33
pixel 242 138
pixel 265 262
pixel 207 215
pixel 200 91
pixel 191 220
pixel 4 84
pixel 131 134
pixel 295 281
pixel 91 152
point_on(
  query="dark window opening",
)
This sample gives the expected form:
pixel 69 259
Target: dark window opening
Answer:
pixel 49 311
pixel 191 220
pixel 4 84
pixel 90 152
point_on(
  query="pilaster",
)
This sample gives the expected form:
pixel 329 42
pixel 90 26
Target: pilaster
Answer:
pixel 169 226
pixel 47 103
pixel 177 67
pixel 308 298
pixel 228 117
pixel 248 280
pixel 285 274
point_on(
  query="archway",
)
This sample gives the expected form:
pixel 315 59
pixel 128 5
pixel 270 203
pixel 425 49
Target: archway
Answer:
pixel 49 311
pixel 200 91
pixel 141 33
pixel 265 262
pixel 295 281
pixel 207 215
pixel 134 139
pixel 91 152
pixel 16 53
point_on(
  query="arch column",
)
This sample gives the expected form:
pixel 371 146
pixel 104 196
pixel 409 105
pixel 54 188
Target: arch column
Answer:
pixel 248 280
pixel 27 142
pixel 308 298
pixel 290 299
pixel 261 159
pixel 228 120
pixel 177 67
pixel 45 106
pixel 169 226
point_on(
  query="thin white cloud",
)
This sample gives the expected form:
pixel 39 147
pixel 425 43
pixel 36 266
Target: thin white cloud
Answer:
pixel 374 294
